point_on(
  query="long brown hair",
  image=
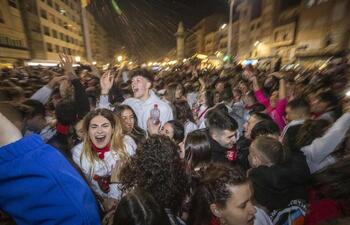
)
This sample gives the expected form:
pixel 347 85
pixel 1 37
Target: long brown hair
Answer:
pixel 117 142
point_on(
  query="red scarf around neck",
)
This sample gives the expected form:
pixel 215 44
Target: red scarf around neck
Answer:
pixel 101 151
pixel 62 129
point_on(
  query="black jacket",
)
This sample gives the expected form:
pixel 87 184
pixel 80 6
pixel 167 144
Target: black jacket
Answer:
pixel 242 147
pixel 218 153
pixel 276 186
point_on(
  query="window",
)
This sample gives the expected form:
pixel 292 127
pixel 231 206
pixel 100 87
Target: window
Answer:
pixel 1 18
pixel 57 48
pixel 49 47
pixel 13 3
pixel 43 13
pixel 10 42
pixel 46 31
pixel 54 33
pixel 49 2
pixel 67 38
pixel 60 22
pixel 62 36
pixel 36 28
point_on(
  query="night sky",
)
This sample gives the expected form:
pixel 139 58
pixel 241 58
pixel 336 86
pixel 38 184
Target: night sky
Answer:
pixel 145 29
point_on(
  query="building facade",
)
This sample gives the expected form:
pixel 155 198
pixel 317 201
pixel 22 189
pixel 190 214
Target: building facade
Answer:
pixel 195 41
pixel 41 29
pixel 13 42
pixel 323 29
pixel 290 30
pixel 53 26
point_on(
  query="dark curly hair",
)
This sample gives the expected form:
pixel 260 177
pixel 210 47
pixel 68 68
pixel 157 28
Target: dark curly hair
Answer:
pixel 157 169
pixel 213 187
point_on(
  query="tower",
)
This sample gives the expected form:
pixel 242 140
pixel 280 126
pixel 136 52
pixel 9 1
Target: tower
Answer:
pixel 180 42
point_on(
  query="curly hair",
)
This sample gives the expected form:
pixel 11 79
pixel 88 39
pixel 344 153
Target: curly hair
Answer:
pixel 157 168
pixel 213 187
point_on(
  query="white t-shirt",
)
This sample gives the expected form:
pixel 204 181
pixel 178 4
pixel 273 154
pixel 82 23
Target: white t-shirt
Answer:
pixel 103 167
pixel 189 127
pixel 143 109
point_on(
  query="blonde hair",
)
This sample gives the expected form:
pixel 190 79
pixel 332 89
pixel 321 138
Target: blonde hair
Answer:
pixel 117 140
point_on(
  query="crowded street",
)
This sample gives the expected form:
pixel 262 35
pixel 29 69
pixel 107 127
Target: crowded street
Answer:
pixel 196 136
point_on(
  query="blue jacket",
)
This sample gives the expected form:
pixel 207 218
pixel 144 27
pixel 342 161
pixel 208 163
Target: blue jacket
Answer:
pixel 39 186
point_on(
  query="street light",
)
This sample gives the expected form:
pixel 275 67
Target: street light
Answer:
pixel 229 41
pixel 77 59
pixel 120 58
pixel 223 26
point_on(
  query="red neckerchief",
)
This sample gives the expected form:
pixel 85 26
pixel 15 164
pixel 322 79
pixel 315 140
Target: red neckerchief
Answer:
pixel 214 221
pixel 202 114
pixel 100 151
pixel 231 154
pixel 62 129
pixel 316 115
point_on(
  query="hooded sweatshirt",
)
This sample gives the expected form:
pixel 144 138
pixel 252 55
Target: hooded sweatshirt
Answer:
pixel 39 186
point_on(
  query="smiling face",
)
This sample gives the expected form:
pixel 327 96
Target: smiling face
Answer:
pixel 179 92
pixel 226 138
pixel 100 131
pixel 128 119
pixel 140 86
pixel 238 209
pixel 167 130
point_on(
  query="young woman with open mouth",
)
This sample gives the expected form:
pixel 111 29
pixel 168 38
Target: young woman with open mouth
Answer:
pixel 104 147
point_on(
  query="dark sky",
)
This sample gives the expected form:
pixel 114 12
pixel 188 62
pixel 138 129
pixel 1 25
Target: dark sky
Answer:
pixel 146 27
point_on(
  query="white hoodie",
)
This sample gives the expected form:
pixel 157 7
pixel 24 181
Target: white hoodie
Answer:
pixel 143 109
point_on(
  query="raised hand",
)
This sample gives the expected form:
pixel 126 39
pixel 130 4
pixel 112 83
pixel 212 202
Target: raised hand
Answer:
pixel 106 82
pixel 278 75
pixel 66 62
pixel 55 81
pixel 152 128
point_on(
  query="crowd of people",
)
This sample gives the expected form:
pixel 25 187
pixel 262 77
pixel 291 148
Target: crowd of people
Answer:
pixel 231 146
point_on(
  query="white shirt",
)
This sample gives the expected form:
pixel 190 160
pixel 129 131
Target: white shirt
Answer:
pixel 292 123
pixel 143 109
pixel 189 127
pixel 102 167
pixel 318 153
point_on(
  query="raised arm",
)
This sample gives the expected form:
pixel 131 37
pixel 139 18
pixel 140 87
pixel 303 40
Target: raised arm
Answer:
pixel 259 93
pixel 43 94
pixel 80 98
pixel 106 83
pixel 322 147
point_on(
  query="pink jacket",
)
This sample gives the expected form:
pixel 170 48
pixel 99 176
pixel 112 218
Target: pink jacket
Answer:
pixel 277 113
